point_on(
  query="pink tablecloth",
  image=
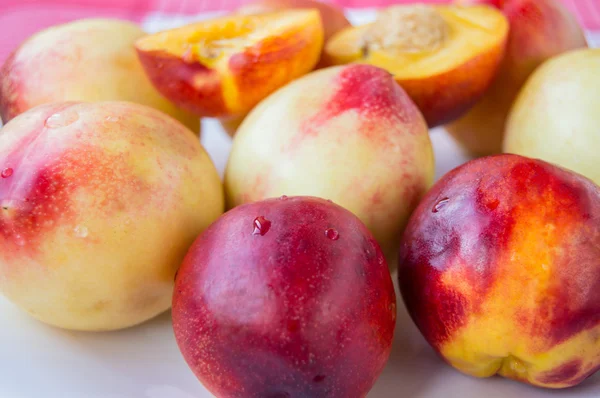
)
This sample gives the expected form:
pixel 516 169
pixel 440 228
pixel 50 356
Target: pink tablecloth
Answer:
pixel 20 18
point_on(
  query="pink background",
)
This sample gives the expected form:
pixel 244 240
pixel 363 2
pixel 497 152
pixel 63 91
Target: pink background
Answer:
pixel 21 18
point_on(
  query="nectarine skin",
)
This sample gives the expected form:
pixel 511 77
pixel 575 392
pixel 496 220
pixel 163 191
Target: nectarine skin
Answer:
pixel 287 297
pixel 86 60
pixel 99 203
pixel 542 124
pixel 500 270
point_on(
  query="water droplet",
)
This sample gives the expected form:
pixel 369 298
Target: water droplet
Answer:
pixel 545 267
pixel 318 378
pixel 81 231
pixel 330 201
pixel 19 240
pixel 62 119
pixel 112 118
pixel 440 204
pixel 283 197
pixel 332 234
pixel 261 226
pixel 6 172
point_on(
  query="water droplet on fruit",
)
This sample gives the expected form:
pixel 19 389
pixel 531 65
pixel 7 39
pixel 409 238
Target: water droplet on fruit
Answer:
pixel 62 119
pixel 332 234
pixel 318 378
pixel 6 172
pixel 440 205
pixel 81 231
pixel 112 118
pixel 330 201
pixel 545 267
pixel 261 226
pixel 19 240
pixel 283 197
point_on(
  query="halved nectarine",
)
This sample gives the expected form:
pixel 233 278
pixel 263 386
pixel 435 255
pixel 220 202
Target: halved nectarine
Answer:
pixel 225 66
pixel 443 56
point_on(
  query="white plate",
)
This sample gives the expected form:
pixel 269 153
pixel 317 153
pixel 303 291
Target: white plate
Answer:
pixel 38 361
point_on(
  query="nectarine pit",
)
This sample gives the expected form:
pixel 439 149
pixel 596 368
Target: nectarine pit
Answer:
pixel 404 29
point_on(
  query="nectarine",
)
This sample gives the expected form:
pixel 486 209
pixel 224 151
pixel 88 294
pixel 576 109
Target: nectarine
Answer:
pixel 287 297
pixel 445 57
pixel 99 203
pixel 87 60
pixel 349 134
pixel 556 117
pixel 223 67
pixel 539 29
pixel 500 269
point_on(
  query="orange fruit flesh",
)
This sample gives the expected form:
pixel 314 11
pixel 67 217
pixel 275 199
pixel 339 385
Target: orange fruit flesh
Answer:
pixel 213 41
pixel 469 31
pixel 295 34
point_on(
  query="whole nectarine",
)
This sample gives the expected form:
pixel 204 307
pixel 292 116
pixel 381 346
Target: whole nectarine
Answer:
pixel 500 270
pixel 287 297
pixel 86 60
pixel 556 117
pixel 539 29
pixel 99 203
pixel 349 134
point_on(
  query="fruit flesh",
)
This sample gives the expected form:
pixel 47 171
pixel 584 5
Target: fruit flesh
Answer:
pixel 261 305
pixel 413 41
pixel 223 67
pixel 87 60
pixel 499 270
pixel 83 243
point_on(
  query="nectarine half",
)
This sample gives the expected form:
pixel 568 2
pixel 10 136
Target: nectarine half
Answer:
pixel 225 66
pixel 443 56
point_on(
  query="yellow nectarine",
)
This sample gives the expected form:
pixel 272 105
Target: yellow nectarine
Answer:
pixel 99 203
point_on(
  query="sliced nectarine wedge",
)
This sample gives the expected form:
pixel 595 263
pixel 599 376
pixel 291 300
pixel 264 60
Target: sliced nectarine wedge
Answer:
pixel 225 66
pixel 443 56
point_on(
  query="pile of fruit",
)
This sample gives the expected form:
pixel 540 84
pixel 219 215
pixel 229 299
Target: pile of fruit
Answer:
pixel 111 211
